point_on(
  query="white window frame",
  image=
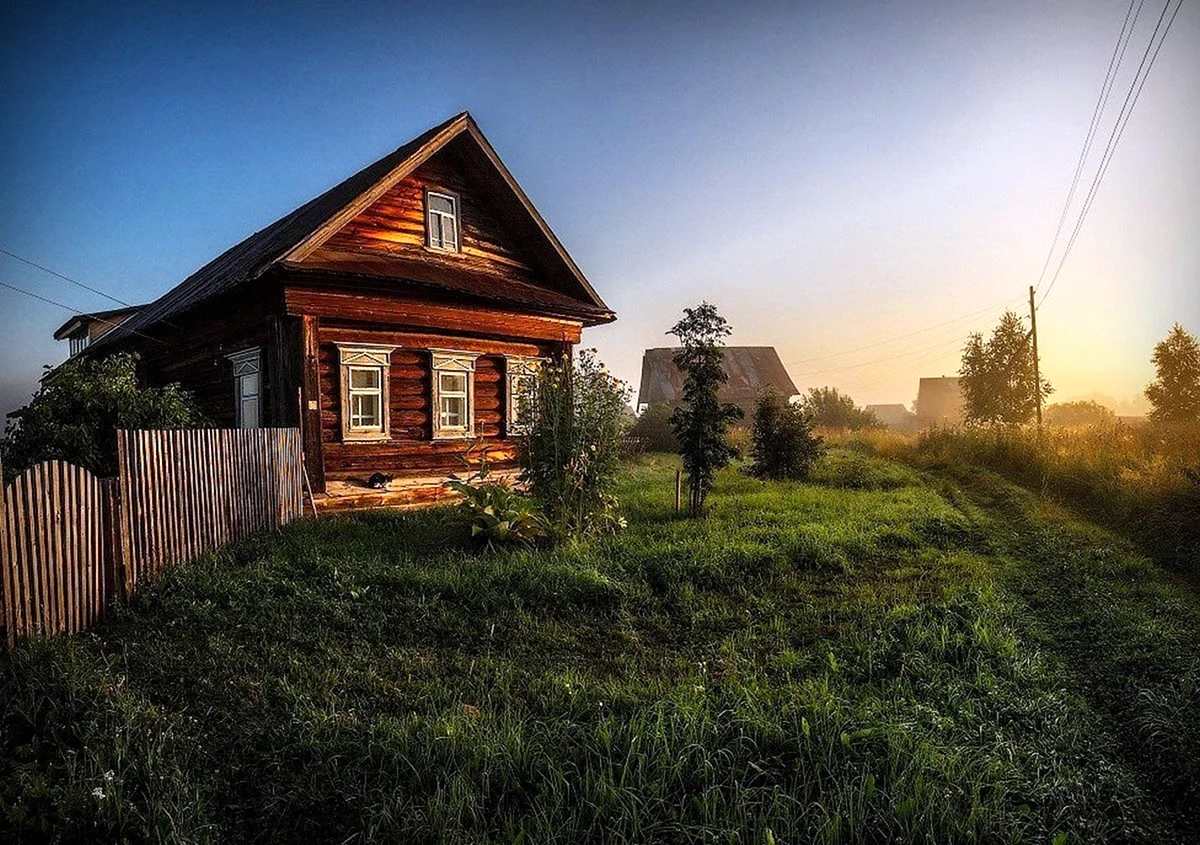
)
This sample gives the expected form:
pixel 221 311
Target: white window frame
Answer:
pixel 365 356
pixel 452 361
pixel 516 368
pixel 247 363
pixel 454 217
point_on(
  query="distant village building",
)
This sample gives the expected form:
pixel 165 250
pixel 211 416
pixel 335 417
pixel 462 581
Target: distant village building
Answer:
pixel 939 401
pixel 751 371
pixel 896 417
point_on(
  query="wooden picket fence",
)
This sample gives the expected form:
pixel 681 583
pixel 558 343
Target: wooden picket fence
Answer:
pixel 71 543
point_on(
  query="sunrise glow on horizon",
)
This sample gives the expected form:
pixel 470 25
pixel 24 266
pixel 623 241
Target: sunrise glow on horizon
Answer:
pixel 857 185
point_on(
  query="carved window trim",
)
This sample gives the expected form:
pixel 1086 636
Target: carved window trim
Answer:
pixel 355 357
pixel 517 368
pixel 247 386
pixel 436 221
pixel 452 362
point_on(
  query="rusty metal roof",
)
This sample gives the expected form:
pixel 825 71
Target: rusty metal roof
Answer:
pixel 751 371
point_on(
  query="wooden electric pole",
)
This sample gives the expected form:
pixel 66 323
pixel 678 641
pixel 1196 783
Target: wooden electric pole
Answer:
pixel 1037 377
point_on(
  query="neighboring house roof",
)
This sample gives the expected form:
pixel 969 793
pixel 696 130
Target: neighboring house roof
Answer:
pixel 939 399
pixel 291 238
pixel 751 371
pixel 80 322
pixel 893 416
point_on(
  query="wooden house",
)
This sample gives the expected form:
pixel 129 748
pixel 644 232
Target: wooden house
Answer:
pixel 939 401
pixel 83 329
pixel 894 416
pixel 392 318
pixel 750 371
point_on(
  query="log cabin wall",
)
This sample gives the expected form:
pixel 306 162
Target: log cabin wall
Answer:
pixel 394 227
pixel 191 352
pixel 411 450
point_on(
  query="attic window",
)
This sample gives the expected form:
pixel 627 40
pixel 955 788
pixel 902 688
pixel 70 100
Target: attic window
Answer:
pixel 80 343
pixel 365 370
pixel 441 221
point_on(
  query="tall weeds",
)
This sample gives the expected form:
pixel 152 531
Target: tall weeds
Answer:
pixel 1143 481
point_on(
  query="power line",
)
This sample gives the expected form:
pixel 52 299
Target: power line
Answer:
pixel 917 350
pixel 1110 77
pixel 73 310
pixel 933 353
pixel 908 335
pixel 65 278
pixel 1114 138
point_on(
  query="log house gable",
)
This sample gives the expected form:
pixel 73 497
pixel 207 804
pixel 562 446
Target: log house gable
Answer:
pixel 500 237
pixel 294 243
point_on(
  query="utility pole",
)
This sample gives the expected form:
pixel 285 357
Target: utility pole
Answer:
pixel 1037 378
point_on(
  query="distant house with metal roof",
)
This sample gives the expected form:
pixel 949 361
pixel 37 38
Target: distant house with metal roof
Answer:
pixel 939 401
pixel 896 417
pixel 752 370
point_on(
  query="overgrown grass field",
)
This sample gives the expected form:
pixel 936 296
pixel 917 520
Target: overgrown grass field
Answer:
pixel 1143 481
pixel 880 654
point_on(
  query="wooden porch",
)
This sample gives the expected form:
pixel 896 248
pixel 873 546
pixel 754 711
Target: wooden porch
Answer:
pixel 405 493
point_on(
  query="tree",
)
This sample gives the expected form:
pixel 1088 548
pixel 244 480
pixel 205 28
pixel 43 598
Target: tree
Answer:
pixel 75 414
pixel 574 423
pixel 653 429
pixel 700 427
pixel 784 446
pixel 1175 394
pixel 997 376
pixel 831 409
pixel 1084 412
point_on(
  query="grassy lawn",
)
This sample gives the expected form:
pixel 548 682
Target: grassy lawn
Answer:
pixel 879 655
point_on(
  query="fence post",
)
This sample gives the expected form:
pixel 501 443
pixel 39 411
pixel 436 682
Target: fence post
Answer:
pixel 6 619
pixel 116 578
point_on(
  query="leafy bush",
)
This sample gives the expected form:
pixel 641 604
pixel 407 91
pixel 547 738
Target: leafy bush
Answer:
pixel 740 439
pixel 784 446
pixel 75 414
pixel 571 451
pixel 652 429
pixel 499 515
pixel 1087 412
pixel 830 409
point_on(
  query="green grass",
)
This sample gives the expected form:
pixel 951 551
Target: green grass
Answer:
pixel 878 655
pixel 1142 481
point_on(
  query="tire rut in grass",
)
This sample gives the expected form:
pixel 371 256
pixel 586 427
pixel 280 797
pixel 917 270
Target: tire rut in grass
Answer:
pixel 1127 637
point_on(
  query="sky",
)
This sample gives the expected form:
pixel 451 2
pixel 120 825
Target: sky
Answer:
pixel 857 184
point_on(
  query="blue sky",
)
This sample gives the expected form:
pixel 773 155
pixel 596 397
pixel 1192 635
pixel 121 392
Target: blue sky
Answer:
pixel 830 175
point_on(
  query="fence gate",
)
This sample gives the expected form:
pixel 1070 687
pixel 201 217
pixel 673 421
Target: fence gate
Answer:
pixel 52 550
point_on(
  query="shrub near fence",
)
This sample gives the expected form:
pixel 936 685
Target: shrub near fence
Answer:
pixel 71 543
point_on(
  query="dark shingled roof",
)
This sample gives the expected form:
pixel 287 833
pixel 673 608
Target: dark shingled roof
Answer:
pixel 751 370
pixel 250 258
